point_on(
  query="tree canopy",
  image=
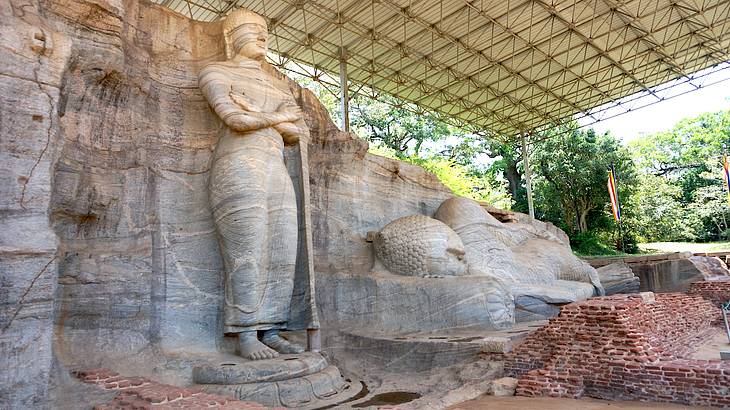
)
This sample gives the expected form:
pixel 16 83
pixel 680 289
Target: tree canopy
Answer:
pixel 682 178
pixel 669 183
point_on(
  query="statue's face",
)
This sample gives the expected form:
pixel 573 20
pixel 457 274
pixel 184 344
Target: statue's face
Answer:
pixel 250 41
pixel 447 257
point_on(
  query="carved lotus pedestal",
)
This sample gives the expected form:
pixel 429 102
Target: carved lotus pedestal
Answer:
pixel 303 380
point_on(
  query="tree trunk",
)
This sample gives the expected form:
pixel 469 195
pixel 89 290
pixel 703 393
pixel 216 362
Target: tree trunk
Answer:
pixel 583 221
pixel 513 177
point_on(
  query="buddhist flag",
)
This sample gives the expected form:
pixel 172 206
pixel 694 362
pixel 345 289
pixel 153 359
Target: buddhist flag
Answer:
pixel 614 197
pixel 726 175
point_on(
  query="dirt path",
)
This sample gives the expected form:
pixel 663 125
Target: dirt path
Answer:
pixel 710 350
pixel 545 403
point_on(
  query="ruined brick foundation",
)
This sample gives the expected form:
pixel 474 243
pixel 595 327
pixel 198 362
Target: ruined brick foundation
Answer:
pixel 144 394
pixel 625 347
pixel 716 291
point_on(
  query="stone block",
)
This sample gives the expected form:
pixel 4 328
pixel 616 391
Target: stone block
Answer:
pixel 504 386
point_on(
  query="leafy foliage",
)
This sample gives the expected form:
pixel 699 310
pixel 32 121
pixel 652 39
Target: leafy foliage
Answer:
pixel 682 194
pixel 592 243
pixel 660 213
pixel 456 177
pixel 669 183
pixel 389 123
pixel 571 167
pixel 504 164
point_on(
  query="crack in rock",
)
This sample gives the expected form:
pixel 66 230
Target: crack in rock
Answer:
pixel 25 294
pixel 49 129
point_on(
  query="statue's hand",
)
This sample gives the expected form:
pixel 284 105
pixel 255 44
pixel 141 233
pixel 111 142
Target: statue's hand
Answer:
pixel 290 113
pixel 243 102
pixel 243 121
pixel 290 133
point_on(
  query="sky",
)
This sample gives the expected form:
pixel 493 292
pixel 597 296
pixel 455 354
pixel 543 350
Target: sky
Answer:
pixel 663 115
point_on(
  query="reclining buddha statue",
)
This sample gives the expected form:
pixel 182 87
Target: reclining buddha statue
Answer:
pixel 527 272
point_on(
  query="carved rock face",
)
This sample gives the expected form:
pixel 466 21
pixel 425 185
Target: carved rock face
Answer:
pixel 417 245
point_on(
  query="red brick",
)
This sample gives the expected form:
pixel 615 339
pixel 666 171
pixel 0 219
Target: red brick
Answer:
pixel 587 338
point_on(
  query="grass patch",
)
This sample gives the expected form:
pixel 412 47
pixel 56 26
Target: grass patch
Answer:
pixel 694 247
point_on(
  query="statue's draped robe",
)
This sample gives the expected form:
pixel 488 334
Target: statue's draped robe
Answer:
pixel 254 206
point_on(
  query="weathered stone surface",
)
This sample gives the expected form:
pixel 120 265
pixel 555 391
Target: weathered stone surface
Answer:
pixel 252 197
pixel 504 386
pixel 107 145
pixel 400 355
pixel 526 272
pixel 540 302
pixel 632 260
pixel 34 56
pixel 427 351
pixel 710 266
pixel 304 379
pixel 139 263
pixel 417 245
pixel 618 278
pixel 669 272
pixel 514 253
pixel 674 275
pixel 398 305
pixel 316 390
pixel 235 370
pixel 529 308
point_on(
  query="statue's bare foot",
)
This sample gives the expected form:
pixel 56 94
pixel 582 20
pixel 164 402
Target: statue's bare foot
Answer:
pixel 273 340
pixel 253 349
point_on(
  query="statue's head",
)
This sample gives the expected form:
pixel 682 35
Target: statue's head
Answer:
pixel 245 34
pixel 420 246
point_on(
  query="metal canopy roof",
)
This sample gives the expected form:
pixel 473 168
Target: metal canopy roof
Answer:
pixel 509 67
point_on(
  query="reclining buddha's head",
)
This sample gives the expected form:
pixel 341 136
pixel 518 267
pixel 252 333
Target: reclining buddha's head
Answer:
pixel 420 246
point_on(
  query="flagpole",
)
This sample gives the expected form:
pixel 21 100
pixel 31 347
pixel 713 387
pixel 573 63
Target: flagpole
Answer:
pixel 618 206
pixel 726 175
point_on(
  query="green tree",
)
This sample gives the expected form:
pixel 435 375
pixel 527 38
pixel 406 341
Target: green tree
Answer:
pixel 660 213
pixel 458 178
pixel 390 123
pixel 686 152
pixel 505 163
pixel 711 207
pixel 682 188
pixel 570 176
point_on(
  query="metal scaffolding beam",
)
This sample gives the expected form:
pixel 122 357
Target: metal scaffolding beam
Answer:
pixel 502 67
pixel 344 93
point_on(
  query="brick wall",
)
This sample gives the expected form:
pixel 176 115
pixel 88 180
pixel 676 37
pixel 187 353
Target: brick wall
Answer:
pixel 624 347
pixel 716 291
pixel 145 394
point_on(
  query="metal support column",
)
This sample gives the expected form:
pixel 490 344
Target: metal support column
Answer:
pixel 725 309
pixel 344 95
pixel 528 179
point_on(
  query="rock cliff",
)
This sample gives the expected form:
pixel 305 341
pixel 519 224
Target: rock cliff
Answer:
pixel 107 244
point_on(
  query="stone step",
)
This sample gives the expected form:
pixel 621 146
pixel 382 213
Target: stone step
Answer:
pixel 426 351
pixel 303 380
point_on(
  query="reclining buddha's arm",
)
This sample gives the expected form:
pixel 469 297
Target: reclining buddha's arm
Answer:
pixel 216 87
